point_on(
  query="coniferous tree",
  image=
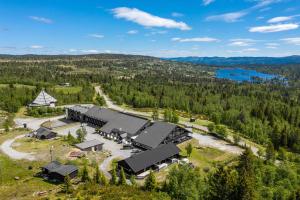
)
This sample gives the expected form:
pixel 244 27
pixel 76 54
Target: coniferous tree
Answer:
pixel 85 174
pixel 189 149
pixel 113 180
pixel 150 182
pixel 247 178
pixel 122 179
pixel 67 185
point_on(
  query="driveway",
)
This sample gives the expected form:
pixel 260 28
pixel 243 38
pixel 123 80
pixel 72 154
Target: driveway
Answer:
pixel 8 150
pixel 109 145
pixel 35 123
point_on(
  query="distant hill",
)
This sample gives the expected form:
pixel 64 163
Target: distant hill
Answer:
pixel 232 61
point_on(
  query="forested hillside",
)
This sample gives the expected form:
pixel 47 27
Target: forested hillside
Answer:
pixel 263 112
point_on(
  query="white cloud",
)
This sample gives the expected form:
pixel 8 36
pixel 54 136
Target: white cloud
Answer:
pixel 90 51
pixel 274 28
pixel 243 51
pixel 228 17
pixel 197 39
pixel 207 2
pixel 272 45
pixel 250 50
pixel 279 19
pixel 36 47
pixel 236 16
pixel 294 41
pixel 132 32
pixel 41 19
pixel 242 42
pixel 94 35
pixel 176 14
pixel 146 19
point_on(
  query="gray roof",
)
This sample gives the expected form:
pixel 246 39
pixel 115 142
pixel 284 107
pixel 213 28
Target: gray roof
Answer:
pixel 155 134
pixel 44 99
pixel 148 158
pixel 125 124
pixel 80 109
pixel 88 144
pixel 65 170
pixel 57 167
pixel 102 114
pixel 52 165
pixel 43 131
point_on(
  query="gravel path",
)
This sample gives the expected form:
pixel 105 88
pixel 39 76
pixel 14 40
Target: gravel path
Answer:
pixel 8 150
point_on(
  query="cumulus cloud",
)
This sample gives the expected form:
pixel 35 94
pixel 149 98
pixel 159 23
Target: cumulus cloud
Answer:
pixel 36 47
pixel 274 28
pixel 41 19
pixel 94 35
pixel 132 32
pixel 294 40
pixel 197 39
pixel 207 2
pixel 146 19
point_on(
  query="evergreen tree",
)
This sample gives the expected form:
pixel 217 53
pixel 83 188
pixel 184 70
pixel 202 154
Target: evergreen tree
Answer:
pixel 189 149
pixel 270 153
pixel 122 179
pixel 150 182
pixel 113 180
pixel 103 179
pixel 133 181
pixel 97 175
pixel 67 185
pixel 85 174
pixel 223 184
pixel 247 178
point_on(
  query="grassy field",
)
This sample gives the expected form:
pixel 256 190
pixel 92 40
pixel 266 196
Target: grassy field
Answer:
pixel 41 148
pixel 205 157
pixel 68 90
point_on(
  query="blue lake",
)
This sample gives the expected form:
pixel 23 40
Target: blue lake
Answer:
pixel 240 75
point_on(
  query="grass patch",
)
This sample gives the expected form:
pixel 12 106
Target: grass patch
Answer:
pixel 41 148
pixel 26 185
pixel 68 90
pixel 205 157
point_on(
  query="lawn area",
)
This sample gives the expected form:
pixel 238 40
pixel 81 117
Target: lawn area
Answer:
pixel 68 90
pixel 11 134
pixel 205 157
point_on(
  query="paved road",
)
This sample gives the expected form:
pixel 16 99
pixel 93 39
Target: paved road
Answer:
pixel 6 148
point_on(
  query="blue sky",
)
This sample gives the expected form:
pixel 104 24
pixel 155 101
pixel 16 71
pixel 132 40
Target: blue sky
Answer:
pixel 162 28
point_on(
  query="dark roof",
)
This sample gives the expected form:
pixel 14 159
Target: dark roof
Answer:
pixel 43 132
pixel 65 170
pixel 102 114
pixel 150 157
pixel 57 167
pixel 52 165
pixel 80 109
pixel 88 144
pixel 125 124
pixel 155 134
